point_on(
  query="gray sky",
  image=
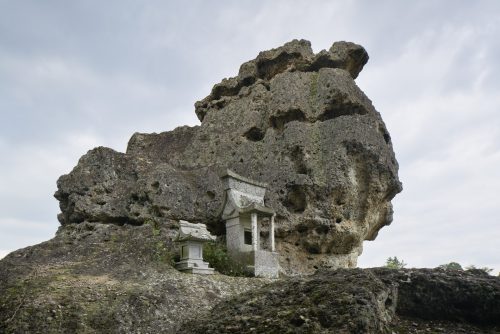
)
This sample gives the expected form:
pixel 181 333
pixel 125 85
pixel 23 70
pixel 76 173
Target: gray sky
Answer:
pixel 79 74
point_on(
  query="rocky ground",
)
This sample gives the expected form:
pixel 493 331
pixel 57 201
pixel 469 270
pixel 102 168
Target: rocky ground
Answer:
pixel 103 278
pixel 375 300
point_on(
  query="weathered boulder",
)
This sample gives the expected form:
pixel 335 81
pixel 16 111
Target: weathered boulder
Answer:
pixel 454 295
pixel 378 300
pixel 106 278
pixel 342 301
pixel 291 118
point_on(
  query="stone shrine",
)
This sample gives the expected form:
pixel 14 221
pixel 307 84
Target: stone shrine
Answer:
pixel 191 238
pixel 244 213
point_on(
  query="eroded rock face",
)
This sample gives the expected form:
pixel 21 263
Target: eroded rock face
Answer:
pixel 291 118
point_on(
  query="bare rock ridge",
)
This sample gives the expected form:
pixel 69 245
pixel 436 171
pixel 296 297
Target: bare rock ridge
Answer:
pixel 291 118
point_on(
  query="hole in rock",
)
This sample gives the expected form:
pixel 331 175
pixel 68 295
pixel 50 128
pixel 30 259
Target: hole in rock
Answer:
pixel 387 138
pixel 278 122
pixel 297 320
pixel 338 220
pixel 336 109
pixel 385 134
pixel 296 200
pixel 313 248
pixel 268 68
pixel 322 229
pixel 254 134
pixel 297 156
pixel 210 195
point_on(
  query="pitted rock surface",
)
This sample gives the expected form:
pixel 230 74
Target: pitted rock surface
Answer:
pixel 291 118
pixel 377 300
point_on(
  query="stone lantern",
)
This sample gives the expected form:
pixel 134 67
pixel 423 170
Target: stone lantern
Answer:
pixel 191 239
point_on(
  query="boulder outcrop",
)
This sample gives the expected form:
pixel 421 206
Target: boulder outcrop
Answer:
pixel 106 278
pixel 291 118
pixel 378 300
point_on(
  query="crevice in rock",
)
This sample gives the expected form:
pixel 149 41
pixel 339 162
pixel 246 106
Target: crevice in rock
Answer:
pixel 385 134
pixel 278 122
pixel 247 82
pixel 337 109
pixel 268 68
pixel 312 248
pixel 254 134
pixel 296 200
pixel 323 59
pixel 297 157
pixel 226 89
pixel 322 229
pixel 118 220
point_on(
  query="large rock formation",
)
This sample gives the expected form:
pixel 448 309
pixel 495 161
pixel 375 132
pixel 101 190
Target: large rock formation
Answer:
pixel 291 118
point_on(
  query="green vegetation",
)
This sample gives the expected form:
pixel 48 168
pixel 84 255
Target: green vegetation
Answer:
pixel 451 266
pixel 161 253
pixel 394 263
pixel 216 254
pixel 154 225
pixel 457 266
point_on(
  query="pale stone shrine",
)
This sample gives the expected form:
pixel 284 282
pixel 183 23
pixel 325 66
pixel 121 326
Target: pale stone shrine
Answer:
pixel 244 213
pixel 191 238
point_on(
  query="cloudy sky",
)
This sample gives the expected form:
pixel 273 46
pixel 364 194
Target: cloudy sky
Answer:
pixel 79 74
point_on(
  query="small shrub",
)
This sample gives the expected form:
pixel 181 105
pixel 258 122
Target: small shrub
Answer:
pixel 394 263
pixel 216 254
pixel 451 266
pixel 162 254
pixel 154 225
